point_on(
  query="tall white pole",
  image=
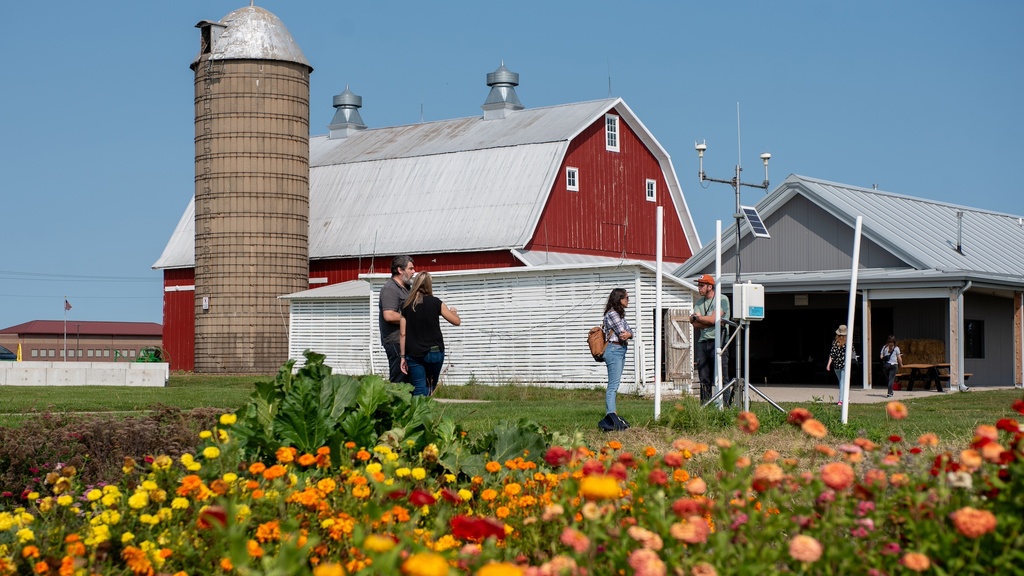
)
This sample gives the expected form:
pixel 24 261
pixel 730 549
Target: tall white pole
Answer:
pixel 657 315
pixel 844 392
pixel 65 328
pixel 718 313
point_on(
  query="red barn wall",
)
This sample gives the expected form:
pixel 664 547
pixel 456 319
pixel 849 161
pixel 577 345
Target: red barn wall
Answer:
pixel 610 214
pixel 345 269
pixel 179 319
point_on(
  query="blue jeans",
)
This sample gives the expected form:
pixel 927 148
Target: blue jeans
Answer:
pixel 424 372
pixel 841 374
pixel 615 358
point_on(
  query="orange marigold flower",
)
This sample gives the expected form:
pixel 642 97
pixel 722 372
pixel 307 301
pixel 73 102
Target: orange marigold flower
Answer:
pixel 493 467
pixel 488 494
pixel 226 565
pixel 814 428
pixel 896 410
pixel 499 569
pixel 916 562
pixel 804 548
pixel 614 444
pixel 257 468
pixel 770 455
pixel 30 552
pixel 275 471
pixel 286 454
pixel 323 451
pixel 899 479
pixel 329 569
pixel 650 452
pixel 307 460
pixel 973 523
pixel 190 484
pixel 748 422
pixel 502 512
pixel 512 489
pixel 363 455
pixel 837 475
pixel 679 475
pixel 350 444
pixel 254 549
pixel 928 439
pixel 136 560
pixel 599 487
pixel 41 567
pixel 269 531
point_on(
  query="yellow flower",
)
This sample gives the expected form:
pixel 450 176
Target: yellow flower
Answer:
pixel 466 495
pixel 179 503
pixel 127 537
pixel 425 564
pixel 149 519
pixel 138 500
pixel 599 487
pixel 377 543
pixel 402 472
pixel 222 436
pixel 419 473
pixel 93 495
pixel 500 569
pixel 25 535
pixel 206 435
pixel 163 462
pixel 230 477
pixel 374 467
pixel 211 452
pixel 33 495
pixel 228 419
pixel 329 569
pixel 65 500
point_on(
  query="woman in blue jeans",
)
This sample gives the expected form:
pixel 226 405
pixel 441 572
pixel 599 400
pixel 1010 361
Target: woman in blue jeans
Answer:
pixel 619 333
pixel 420 341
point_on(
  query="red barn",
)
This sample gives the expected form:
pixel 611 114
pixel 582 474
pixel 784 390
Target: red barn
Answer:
pixel 510 187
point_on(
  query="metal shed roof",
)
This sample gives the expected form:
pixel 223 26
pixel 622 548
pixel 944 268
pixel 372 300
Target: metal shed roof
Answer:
pixel 456 185
pixel 923 233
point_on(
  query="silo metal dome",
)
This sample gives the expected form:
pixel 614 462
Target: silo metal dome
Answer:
pixel 252 190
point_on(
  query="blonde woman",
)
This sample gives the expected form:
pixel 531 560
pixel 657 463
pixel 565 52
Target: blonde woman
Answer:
pixel 420 340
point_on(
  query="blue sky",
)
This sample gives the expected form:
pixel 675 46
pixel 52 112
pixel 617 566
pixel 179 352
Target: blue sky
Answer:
pixel 919 98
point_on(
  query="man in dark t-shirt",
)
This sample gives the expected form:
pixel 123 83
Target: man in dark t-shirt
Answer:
pixel 392 296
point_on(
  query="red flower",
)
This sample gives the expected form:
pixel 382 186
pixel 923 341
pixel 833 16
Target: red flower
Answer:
pixel 618 470
pixel 212 515
pixel 658 477
pixel 797 416
pixel 895 438
pixel 421 498
pixel 1008 425
pixel 557 456
pixel 397 494
pixel 476 529
pixel 593 466
pixel 686 507
pixel 627 460
pixel 450 496
pixel 1018 405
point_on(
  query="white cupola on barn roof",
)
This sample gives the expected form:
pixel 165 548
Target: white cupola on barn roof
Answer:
pixel 346 119
pixel 502 100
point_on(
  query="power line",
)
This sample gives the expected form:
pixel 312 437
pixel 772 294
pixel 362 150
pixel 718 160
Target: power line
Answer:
pixel 44 277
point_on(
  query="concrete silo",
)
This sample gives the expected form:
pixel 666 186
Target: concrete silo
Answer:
pixel 252 190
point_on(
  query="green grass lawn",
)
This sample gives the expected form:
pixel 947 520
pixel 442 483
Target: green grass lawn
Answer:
pixel 953 416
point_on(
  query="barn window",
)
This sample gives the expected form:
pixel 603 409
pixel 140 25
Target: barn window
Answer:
pixel 611 133
pixel 35 353
pixel 974 338
pixel 652 190
pixel 572 179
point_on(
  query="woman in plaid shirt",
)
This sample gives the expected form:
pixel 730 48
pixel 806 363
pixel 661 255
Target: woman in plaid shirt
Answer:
pixel 619 333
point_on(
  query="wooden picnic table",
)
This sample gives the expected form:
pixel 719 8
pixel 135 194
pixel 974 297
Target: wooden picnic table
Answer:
pixel 925 373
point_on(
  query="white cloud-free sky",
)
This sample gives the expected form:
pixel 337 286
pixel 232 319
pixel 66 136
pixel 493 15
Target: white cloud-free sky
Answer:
pixel 96 113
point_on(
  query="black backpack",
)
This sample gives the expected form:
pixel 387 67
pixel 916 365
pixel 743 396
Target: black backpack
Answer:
pixel 612 421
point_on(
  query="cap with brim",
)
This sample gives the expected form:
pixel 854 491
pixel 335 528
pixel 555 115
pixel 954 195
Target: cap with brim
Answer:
pixel 706 279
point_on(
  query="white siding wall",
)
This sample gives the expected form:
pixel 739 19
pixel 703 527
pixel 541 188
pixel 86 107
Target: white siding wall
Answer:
pixel 520 326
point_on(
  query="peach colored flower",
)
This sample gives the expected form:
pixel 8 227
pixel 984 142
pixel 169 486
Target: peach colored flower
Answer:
pixel 928 439
pixel 970 459
pixel 645 537
pixel 992 451
pixel 916 562
pixel 899 479
pixel 837 475
pixel 697 486
pixel 645 562
pixel 770 455
pixel 814 428
pixel 748 422
pixel 804 548
pixel 986 432
pixel 703 569
pixel 865 444
pixel 694 530
pixel 825 450
pixel 973 523
pixel 876 478
pixel 767 476
pixel 896 410
pixel 743 462
pixel 684 445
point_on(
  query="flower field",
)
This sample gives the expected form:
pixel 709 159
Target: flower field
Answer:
pixel 300 497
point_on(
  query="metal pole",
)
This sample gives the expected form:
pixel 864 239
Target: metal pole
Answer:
pixel 657 315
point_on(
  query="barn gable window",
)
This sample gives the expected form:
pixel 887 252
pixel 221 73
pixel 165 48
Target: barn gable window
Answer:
pixel 611 133
pixel 572 179
pixel 652 190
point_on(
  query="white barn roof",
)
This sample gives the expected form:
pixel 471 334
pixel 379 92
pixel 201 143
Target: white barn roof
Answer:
pixel 439 187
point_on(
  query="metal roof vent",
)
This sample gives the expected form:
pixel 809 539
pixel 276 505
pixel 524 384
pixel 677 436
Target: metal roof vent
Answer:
pixel 346 121
pixel 503 99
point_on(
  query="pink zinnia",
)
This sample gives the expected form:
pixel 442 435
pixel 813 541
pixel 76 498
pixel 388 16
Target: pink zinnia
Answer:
pixel 645 562
pixel 575 539
pixel 694 530
pixel 896 410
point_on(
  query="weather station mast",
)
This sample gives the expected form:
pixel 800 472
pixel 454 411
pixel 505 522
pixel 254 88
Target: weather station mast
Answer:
pixel 748 299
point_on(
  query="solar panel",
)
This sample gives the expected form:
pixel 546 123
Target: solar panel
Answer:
pixel 757 226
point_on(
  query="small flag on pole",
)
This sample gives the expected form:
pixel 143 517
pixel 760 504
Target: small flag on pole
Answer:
pixel 67 305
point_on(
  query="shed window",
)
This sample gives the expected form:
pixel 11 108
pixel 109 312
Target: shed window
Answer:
pixel 652 190
pixel 611 133
pixel 572 179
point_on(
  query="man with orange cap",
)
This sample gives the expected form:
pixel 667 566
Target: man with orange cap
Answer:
pixel 703 321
